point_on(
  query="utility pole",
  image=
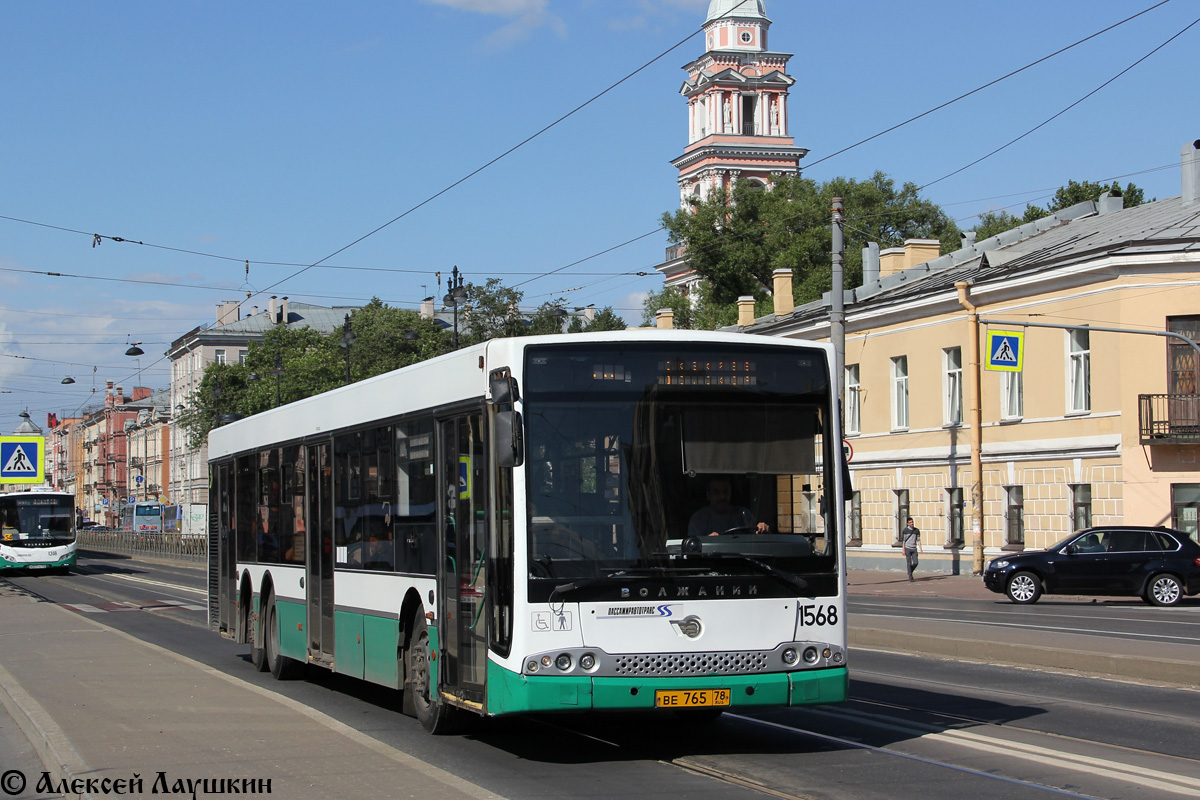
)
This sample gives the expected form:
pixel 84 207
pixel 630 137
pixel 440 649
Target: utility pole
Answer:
pixel 837 310
pixel 964 299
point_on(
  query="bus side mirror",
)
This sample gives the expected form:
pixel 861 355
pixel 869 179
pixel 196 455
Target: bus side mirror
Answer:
pixel 510 439
pixel 503 387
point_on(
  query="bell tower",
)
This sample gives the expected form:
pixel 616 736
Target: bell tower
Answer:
pixel 737 92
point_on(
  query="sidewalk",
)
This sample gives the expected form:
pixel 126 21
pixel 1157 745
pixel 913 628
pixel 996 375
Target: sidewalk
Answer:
pixel 100 704
pixel 937 584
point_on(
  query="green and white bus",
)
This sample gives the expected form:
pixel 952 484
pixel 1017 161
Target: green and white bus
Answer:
pixel 505 528
pixel 37 530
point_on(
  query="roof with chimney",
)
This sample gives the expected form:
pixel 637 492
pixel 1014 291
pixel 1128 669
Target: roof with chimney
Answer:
pixel 254 326
pixel 1083 233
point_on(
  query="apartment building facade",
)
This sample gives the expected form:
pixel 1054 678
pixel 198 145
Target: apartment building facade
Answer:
pixel 1099 426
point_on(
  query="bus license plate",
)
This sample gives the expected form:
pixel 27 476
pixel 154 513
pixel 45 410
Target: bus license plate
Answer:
pixel 691 698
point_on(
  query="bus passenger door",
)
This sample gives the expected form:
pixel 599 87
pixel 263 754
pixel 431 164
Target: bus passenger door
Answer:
pixel 319 570
pixel 462 622
pixel 220 505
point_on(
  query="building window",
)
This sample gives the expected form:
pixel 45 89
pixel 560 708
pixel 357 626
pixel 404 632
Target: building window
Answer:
pixel 750 115
pixel 242 356
pixel 954 517
pixel 853 407
pixel 952 385
pixel 902 513
pixel 1185 508
pixel 219 356
pixel 1014 516
pixel 1081 506
pixel 1078 370
pixel 1012 396
pixel 899 392
pixel 1181 357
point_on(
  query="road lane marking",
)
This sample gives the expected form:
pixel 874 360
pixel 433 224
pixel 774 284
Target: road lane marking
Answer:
pixel 174 586
pixel 1107 767
pixel 1052 628
pixel 825 737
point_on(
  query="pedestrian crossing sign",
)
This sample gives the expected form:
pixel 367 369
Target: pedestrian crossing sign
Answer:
pixel 22 459
pixel 1005 351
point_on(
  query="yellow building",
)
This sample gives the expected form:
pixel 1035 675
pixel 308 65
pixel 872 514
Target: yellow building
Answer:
pixel 1098 427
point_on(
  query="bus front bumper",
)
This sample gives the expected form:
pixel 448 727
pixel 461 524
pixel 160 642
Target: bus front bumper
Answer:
pixel 11 566
pixel 510 693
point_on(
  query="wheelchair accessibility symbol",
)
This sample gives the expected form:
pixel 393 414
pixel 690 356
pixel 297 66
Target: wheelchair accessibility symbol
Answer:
pixel 546 621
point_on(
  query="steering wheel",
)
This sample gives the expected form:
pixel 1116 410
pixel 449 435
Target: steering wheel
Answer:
pixel 742 529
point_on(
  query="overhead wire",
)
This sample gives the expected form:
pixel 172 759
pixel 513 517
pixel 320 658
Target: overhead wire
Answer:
pixel 1053 117
pixel 607 276
pixel 319 264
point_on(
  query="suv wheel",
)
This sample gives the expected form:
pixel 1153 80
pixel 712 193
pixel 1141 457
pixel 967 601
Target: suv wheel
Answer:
pixel 1164 590
pixel 1024 587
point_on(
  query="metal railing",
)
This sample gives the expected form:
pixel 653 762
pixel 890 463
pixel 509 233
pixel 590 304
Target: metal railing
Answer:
pixel 1169 418
pixel 173 546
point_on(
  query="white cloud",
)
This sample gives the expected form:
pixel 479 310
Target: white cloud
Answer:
pixel 630 301
pixel 656 13
pixel 504 8
pixel 529 16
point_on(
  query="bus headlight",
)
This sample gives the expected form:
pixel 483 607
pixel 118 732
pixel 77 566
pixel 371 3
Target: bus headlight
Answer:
pixel 810 655
pixel 790 657
pixel 587 661
pixel 563 662
pixel 533 666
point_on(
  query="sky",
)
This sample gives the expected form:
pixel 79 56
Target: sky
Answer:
pixel 386 142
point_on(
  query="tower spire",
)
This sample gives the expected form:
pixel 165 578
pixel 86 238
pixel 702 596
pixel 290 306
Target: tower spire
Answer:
pixel 737 93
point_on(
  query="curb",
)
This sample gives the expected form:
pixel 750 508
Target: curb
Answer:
pixel 60 758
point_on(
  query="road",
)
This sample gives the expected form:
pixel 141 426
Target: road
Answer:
pixel 915 726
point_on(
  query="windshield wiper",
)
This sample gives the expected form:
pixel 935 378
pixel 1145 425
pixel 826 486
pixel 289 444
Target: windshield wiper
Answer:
pixel 563 588
pixel 795 581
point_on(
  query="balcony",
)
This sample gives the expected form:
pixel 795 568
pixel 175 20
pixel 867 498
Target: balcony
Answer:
pixel 135 461
pixel 1169 418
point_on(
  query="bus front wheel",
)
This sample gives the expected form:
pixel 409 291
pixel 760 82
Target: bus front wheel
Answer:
pixel 421 688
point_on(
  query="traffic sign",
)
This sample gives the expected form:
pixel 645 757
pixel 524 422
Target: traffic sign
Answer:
pixel 22 459
pixel 1005 351
pixel 847 451
pixel 138 480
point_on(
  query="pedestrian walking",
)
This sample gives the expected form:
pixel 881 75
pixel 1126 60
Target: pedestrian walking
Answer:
pixel 910 538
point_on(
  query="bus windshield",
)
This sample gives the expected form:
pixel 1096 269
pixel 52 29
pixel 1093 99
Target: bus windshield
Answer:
pixel 27 518
pixel 705 457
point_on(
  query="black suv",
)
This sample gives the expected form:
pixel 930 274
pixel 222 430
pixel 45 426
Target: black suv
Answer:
pixel 1160 565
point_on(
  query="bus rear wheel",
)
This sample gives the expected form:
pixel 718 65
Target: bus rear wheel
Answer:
pixel 282 668
pixel 421 687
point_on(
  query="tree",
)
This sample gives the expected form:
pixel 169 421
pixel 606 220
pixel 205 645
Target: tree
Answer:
pixel 604 320
pixel 703 315
pixel 735 241
pixel 995 222
pixel 310 363
pixel 1073 193
pixel 491 311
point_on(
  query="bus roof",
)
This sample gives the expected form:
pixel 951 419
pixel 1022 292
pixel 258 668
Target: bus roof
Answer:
pixel 451 378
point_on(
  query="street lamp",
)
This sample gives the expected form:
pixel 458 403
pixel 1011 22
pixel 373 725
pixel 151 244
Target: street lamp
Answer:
pixel 456 295
pixel 346 340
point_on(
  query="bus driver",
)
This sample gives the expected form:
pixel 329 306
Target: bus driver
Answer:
pixel 720 515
